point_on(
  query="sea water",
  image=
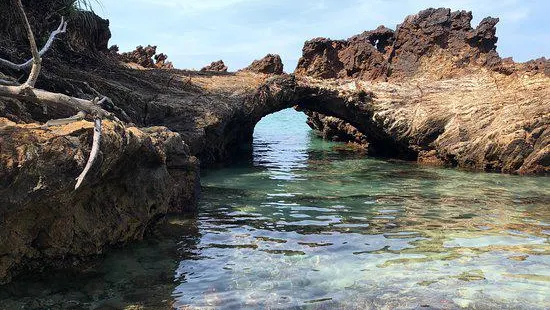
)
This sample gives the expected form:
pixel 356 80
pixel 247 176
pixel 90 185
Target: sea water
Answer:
pixel 308 225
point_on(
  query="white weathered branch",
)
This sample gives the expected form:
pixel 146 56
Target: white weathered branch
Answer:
pixel 28 92
pixel 64 121
pixel 93 152
pixel 36 60
pixel 39 95
pixel 61 29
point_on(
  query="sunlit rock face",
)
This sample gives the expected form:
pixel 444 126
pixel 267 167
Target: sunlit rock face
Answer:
pixel 438 86
pixel 383 54
pixel 270 64
pixel 215 66
pixel 141 175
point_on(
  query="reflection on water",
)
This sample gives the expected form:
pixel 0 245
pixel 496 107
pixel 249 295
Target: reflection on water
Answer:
pixel 306 227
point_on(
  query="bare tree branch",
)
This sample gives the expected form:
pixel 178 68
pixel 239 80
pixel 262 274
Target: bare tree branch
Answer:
pixel 64 121
pixel 36 60
pixel 61 29
pixel 93 152
pixel 28 92
pixel 39 95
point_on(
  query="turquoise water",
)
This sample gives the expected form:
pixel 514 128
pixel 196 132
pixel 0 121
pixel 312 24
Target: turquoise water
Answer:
pixel 308 226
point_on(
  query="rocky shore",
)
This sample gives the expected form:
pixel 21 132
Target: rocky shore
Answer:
pixel 438 87
pixel 434 91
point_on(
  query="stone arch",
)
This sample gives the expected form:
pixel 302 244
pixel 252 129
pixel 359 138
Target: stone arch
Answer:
pixel 288 91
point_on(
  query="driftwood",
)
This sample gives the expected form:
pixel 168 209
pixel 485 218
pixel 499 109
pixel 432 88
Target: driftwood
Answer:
pixel 27 91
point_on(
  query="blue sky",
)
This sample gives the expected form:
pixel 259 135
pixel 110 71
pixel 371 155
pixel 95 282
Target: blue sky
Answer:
pixel 195 32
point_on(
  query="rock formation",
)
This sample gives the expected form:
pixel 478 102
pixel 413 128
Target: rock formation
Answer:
pixel 215 66
pixel 335 129
pixel 362 56
pixel 434 90
pixel 448 96
pixel 145 57
pixel 48 223
pixel 383 54
pixel 270 64
pixel 139 176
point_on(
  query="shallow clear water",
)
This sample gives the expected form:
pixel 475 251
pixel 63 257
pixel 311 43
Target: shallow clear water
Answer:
pixel 304 226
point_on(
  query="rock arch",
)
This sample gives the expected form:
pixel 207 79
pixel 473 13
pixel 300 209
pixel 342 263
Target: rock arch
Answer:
pixel 282 92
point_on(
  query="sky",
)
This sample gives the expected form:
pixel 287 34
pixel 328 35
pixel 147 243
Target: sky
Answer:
pixel 194 33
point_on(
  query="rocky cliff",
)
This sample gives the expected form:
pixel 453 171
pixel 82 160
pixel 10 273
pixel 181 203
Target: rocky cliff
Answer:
pixel 143 174
pixel 438 87
pixel 385 54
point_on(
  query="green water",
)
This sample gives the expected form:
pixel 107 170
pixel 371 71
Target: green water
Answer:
pixel 305 226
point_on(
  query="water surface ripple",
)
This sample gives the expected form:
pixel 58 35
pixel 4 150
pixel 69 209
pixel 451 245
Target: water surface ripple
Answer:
pixel 304 226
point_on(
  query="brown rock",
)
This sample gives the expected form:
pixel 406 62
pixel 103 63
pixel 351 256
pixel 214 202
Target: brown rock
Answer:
pixel 538 65
pixel 431 36
pixel 270 64
pixel 216 66
pixel 161 63
pixel 129 188
pixel 431 31
pixel 143 56
pixel 335 129
pixel 361 56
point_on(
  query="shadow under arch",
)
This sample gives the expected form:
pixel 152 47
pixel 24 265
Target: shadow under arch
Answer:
pixel 288 91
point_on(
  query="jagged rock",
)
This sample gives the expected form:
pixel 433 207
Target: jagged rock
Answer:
pixel 538 65
pixel 160 62
pixel 143 56
pixel 333 128
pixel 216 66
pixel 113 50
pixel 484 36
pixel 131 187
pixel 381 54
pixel 362 56
pixel 270 64
pixel 382 38
pixel 447 37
